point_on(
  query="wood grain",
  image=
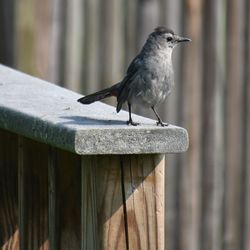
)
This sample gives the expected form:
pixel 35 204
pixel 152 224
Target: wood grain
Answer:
pixel 118 211
pixel 33 194
pixel 53 192
pixel 144 187
pixel 68 202
pixel 102 209
pixel 110 204
pixel 9 233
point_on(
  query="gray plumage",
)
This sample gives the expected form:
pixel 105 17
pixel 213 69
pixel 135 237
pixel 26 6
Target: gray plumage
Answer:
pixel 149 78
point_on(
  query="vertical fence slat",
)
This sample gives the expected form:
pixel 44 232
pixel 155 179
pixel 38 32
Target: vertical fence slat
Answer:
pixel 148 18
pixel 25 36
pixel 218 185
pixel 130 30
pixel 74 45
pixel 171 15
pixel 234 126
pixel 22 208
pixel 89 236
pixel 116 69
pixel 102 210
pixel 53 227
pixel 7 27
pixel 42 33
pixel 212 125
pixel 189 189
pixel 9 233
pixel 68 201
pixel 246 108
pixel 57 45
pixel 144 180
pixel 92 59
pixel 107 42
pixel 33 194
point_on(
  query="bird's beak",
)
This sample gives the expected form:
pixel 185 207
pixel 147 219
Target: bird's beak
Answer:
pixel 182 39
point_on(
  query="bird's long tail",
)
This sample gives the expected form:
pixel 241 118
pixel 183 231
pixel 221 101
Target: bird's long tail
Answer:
pixel 112 91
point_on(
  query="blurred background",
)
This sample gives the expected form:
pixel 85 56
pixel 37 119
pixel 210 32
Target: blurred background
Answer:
pixel 85 45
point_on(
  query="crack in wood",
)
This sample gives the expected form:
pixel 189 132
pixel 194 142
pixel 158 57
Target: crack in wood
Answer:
pixel 124 203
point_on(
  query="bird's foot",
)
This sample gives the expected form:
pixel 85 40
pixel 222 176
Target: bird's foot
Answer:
pixel 162 124
pixel 130 122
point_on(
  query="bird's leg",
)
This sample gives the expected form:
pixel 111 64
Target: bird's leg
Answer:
pixel 130 121
pixel 159 122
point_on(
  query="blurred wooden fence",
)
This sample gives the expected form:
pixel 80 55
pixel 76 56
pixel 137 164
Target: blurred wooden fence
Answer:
pixel 87 44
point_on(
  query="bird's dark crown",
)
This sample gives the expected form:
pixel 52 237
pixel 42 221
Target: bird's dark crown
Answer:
pixel 162 30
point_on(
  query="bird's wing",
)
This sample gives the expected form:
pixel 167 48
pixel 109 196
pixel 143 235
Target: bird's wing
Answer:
pixel 132 73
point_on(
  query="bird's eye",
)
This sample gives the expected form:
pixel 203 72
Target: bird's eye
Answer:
pixel 169 38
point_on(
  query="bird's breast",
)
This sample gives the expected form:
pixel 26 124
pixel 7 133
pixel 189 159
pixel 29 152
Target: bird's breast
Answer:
pixel 153 84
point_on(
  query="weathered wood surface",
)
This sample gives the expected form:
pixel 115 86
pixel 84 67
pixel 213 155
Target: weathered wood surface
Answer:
pixel 53 199
pixel 45 112
pixel 33 194
pixel 102 203
pixel 123 202
pixel 9 232
pixel 32 214
pixel 144 186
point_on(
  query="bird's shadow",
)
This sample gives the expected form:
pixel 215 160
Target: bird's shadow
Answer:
pixel 84 120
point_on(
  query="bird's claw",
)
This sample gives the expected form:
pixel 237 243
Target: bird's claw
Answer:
pixel 162 124
pixel 130 122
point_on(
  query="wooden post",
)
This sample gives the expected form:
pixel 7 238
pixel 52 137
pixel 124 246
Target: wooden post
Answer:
pixel 123 202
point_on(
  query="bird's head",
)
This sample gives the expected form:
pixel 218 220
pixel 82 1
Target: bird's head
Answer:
pixel 166 37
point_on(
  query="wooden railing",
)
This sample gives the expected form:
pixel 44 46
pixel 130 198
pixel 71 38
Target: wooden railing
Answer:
pixel 77 177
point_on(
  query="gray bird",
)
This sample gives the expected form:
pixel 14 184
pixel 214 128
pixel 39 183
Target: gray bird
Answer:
pixel 149 78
